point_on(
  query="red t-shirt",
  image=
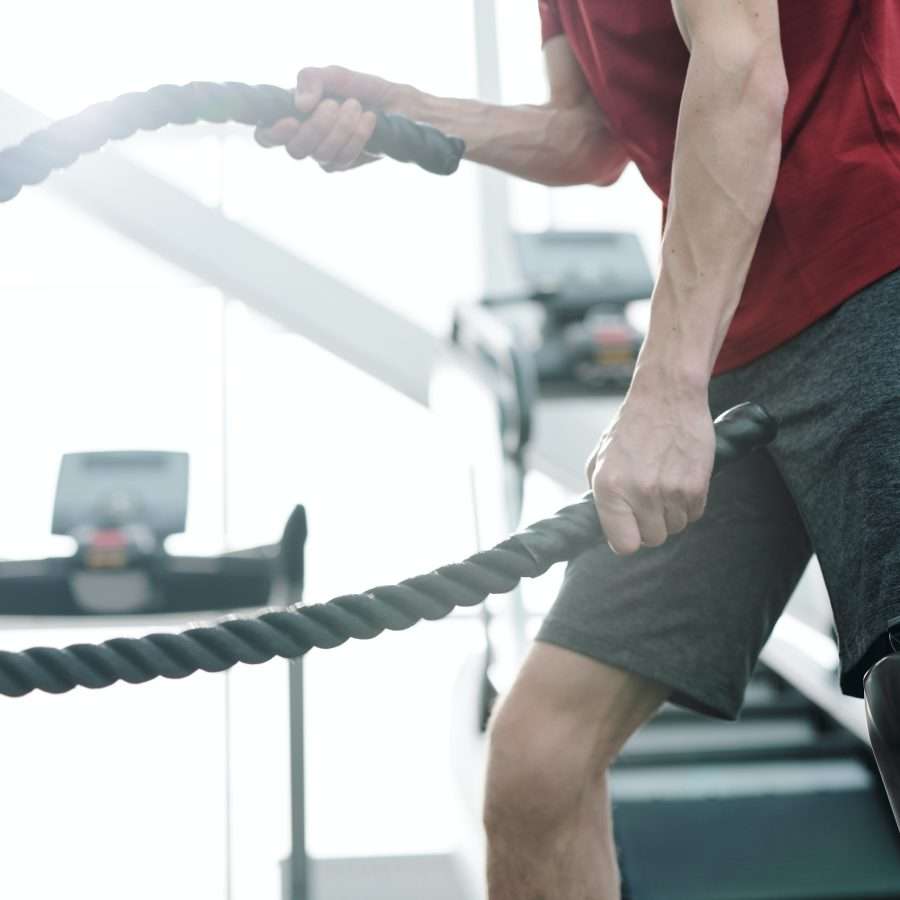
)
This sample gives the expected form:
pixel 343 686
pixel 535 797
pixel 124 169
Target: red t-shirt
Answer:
pixel 834 223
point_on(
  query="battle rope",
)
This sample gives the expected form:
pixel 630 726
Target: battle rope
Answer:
pixel 60 144
pixel 293 631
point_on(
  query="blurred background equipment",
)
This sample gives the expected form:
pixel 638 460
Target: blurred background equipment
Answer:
pixel 119 507
pixel 573 316
pixel 566 333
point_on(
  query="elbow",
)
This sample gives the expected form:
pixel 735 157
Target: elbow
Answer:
pixel 584 149
pixel 611 170
pixel 759 65
pixel 767 88
pixel 602 171
pixel 744 70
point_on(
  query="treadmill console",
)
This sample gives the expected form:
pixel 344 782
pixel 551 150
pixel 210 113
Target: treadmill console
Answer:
pixel 572 318
pixel 117 489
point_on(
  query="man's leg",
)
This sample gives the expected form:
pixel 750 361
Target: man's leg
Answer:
pixel 547 810
pixel 685 620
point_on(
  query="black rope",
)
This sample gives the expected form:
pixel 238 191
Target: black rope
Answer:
pixel 61 143
pixel 293 631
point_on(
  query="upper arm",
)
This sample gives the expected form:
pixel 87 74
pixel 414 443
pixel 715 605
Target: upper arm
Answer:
pixel 568 86
pixel 571 93
pixel 735 35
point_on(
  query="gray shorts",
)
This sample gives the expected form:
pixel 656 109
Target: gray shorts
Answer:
pixel 695 612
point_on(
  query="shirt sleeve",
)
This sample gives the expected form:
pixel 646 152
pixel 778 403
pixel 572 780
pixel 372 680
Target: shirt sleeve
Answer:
pixel 551 24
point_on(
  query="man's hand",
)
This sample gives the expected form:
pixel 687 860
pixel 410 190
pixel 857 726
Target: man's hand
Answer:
pixel 651 469
pixel 338 107
pixel 562 142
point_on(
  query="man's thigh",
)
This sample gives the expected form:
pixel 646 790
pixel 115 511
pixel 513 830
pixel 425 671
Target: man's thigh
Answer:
pixel 692 614
pixel 835 390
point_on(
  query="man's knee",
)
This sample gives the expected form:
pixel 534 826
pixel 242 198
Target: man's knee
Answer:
pixel 553 738
pixel 537 775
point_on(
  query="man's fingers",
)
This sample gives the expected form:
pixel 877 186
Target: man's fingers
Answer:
pixel 312 132
pixel 619 525
pixel 349 155
pixel 261 136
pixel 310 90
pixel 335 134
pixel 335 108
pixel 652 526
pixel 676 518
pixel 589 468
pixel 696 506
pixel 335 81
pixel 277 135
pixel 634 515
pixel 342 131
pixel 685 496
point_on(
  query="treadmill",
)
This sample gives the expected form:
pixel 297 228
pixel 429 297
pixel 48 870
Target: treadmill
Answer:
pixel 118 508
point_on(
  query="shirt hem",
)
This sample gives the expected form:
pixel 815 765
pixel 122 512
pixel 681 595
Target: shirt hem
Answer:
pixel 866 257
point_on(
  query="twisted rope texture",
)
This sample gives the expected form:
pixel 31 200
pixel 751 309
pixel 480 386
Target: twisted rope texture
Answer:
pixel 61 143
pixel 293 631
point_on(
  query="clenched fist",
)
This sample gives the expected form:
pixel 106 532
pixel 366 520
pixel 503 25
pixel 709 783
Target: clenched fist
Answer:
pixel 651 469
pixel 338 108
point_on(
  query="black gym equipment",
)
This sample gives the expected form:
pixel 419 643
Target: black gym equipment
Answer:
pixel 570 323
pixel 882 692
pixel 112 539
pixel 119 507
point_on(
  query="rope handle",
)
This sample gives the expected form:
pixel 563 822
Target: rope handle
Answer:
pixel 293 631
pixel 61 143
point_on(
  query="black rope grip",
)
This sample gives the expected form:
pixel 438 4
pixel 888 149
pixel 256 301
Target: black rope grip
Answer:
pixel 61 143
pixel 293 631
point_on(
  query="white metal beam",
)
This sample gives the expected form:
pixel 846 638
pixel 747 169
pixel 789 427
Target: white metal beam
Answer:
pixel 814 682
pixel 501 272
pixel 234 258
pixel 275 282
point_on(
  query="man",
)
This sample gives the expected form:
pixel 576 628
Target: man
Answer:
pixel 771 133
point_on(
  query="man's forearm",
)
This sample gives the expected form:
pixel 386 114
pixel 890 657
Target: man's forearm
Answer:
pixel 724 171
pixel 551 144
